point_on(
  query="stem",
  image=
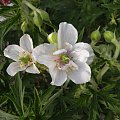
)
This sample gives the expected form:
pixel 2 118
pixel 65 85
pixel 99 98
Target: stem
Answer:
pixel 102 72
pixel 117 51
pixel 56 95
pixel 66 84
pixel 93 43
pixel 51 99
pixel 38 11
pixel 29 5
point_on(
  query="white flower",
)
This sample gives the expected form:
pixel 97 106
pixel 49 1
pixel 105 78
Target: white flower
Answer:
pixel 68 59
pixel 2 18
pixel 22 55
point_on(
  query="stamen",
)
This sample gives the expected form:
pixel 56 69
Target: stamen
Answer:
pixel 26 59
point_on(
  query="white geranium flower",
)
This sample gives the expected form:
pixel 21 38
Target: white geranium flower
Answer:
pixel 2 18
pixel 68 59
pixel 22 55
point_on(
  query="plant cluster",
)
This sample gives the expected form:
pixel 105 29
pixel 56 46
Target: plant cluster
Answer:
pixel 26 96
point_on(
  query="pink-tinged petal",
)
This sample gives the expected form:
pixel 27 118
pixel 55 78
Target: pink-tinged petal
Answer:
pixel 13 52
pixel 87 47
pixel 58 76
pixel 26 43
pixel 67 33
pixel 32 69
pixel 14 67
pixel 80 75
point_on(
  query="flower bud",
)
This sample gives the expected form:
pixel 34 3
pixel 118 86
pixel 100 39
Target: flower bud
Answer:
pixel 24 26
pixel 37 19
pixel 113 21
pixel 44 15
pixel 95 35
pixel 108 36
pixel 53 37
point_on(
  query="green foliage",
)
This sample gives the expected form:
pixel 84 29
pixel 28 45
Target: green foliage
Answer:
pixel 31 97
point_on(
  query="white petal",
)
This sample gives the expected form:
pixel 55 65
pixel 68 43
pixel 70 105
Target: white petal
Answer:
pixel 26 43
pixel 47 60
pixel 68 47
pixel 80 75
pixel 58 76
pixel 43 49
pixel 79 55
pixel 66 34
pixel 44 54
pixel 14 67
pixel 13 52
pixel 59 52
pixel 32 69
pixel 2 18
pixel 85 46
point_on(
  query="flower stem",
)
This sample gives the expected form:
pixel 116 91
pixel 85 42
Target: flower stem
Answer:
pixel 102 72
pixel 29 5
pixel 66 84
pixel 117 51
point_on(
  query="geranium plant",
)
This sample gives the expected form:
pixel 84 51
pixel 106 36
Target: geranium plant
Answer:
pixel 59 60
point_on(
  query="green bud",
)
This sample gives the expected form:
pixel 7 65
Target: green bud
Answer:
pixel 44 15
pixel 53 38
pixel 108 36
pixel 95 35
pixel 24 26
pixel 37 19
pixel 113 21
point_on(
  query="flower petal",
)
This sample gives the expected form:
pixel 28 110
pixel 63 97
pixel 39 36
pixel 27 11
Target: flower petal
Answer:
pixel 87 47
pixel 59 52
pixel 32 69
pixel 43 49
pixel 58 76
pixel 2 18
pixel 26 43
pixel 80 75
pixel 44 54
pixel 47 60
pixel 79 55
pixel 14 67
pixel 67 33
pixel 13 52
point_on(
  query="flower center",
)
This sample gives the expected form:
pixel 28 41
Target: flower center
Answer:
pixel 26 59
pixel 64 59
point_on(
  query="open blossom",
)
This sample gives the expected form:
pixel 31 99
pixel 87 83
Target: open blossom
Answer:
pixel 67 59
pixel 22 55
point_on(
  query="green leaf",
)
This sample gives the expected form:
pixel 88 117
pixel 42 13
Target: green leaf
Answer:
pixel 7 116
pixel 80 37
pixel 51 99
pixel 17 95
pixel 47 94
pixel 37 104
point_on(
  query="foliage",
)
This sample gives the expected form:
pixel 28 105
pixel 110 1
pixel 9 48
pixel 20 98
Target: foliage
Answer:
pixel 31 97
